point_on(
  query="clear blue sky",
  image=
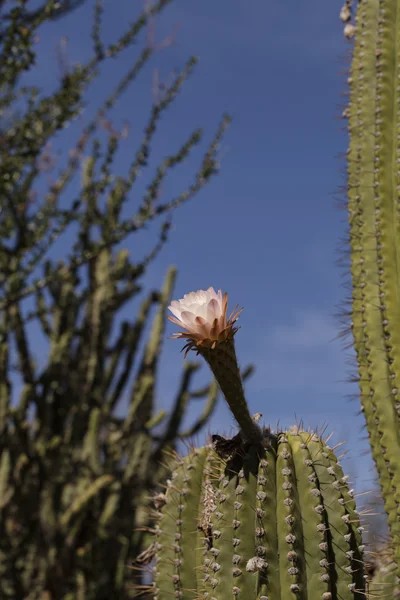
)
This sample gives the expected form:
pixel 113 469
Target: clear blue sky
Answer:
pixel 266 229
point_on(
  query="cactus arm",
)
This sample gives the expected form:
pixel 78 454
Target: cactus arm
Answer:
pixel 22 344
pixel 114 355
pixel 6 490
pixel 212 397
pixel 83 499
pixel 129 343
pixel 110 507
pixel 178 410
pixel 156 419
pixel 180 404
pixel 90 451
pixel 96 323
pixel 363 244
pixel 373 180
pixel 5 386
pixel 141 400
pixel 138 452
pixel 42 310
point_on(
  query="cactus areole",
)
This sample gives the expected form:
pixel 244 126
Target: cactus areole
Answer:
pixel 279 524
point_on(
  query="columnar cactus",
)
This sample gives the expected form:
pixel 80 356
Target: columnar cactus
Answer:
pixel 272 524
pixel 374 216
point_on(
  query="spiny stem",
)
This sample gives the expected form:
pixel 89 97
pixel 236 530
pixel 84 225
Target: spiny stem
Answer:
pixel 223 363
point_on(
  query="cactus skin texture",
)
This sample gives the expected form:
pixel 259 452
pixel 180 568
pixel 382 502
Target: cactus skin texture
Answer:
pixel 277 523
pixel 374 217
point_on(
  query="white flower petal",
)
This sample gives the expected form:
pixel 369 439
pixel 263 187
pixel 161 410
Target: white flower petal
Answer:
pixel 176 308
pixel 213 311
pixel 220 299
pixel 188 318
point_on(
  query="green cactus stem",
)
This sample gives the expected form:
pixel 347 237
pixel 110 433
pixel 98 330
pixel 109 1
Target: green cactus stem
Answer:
pixel 276 524
pixel 224 365
pixel 374 217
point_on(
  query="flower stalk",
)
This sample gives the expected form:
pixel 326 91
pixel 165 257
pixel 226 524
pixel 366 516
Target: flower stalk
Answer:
pixel 208 331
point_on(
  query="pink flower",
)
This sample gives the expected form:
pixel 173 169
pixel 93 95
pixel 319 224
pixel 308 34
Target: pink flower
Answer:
pixel 203 315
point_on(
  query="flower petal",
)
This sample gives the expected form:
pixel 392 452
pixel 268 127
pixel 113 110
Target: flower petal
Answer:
pixel 202 327
pixel 214 330
pixel 188 318
pixel 212 310
pixel 176 322
pixel 176 308
pixel 220 299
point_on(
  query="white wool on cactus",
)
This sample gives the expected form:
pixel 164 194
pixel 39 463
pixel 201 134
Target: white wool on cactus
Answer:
pixel 203 315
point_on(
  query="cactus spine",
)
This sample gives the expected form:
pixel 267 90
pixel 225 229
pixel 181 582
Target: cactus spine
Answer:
pixel 374 217
pixel 272 524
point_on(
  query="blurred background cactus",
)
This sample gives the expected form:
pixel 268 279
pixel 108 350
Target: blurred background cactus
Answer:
pixel 80 438
pixel 373 209
pixel 382 579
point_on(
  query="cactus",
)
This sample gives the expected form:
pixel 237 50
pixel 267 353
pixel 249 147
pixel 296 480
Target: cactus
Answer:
pixel 382 580
pixel 80 436
pixel 374 217
pixel 264 516
pixel 271 524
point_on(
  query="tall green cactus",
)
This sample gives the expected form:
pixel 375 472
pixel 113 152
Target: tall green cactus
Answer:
pixel 374 217
pixel 272 524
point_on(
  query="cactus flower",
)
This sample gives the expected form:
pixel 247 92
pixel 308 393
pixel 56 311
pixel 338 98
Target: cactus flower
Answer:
pixel 208 331
pixel 203 314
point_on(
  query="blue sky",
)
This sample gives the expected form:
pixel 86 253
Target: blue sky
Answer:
pixel 266 229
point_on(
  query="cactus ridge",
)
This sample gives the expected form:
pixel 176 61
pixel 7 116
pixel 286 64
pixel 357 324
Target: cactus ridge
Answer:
pixel 272 525
pixel 374 217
